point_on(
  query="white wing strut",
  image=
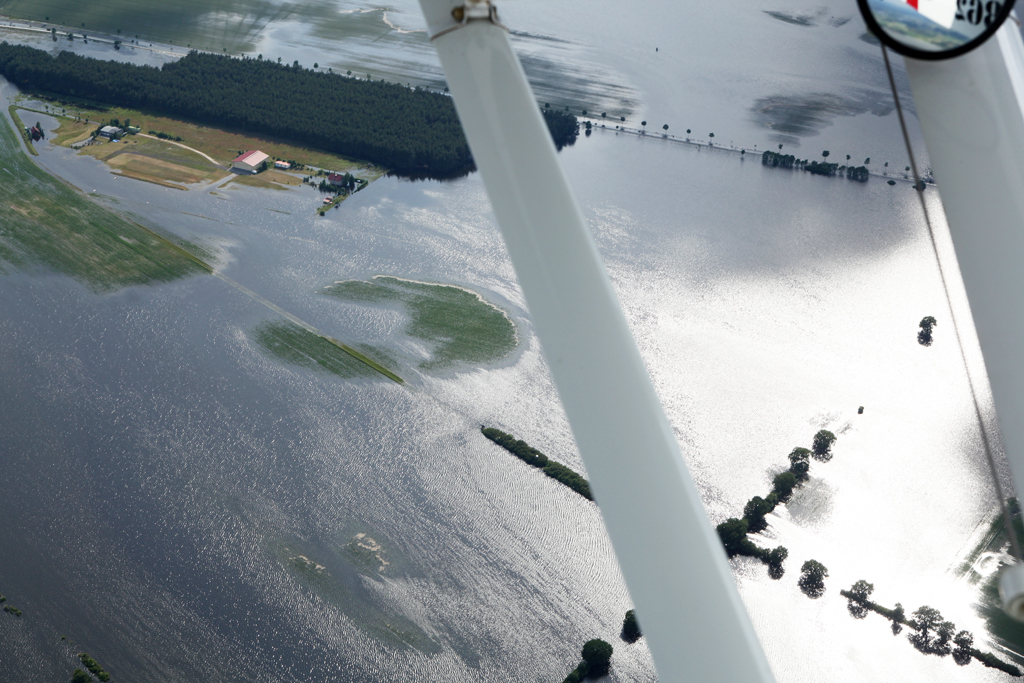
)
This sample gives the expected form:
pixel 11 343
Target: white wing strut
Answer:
pixel 970 112
pixel 671 558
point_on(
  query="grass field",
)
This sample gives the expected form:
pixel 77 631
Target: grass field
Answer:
pixel 222 145
pixel 273 180
pixel 155 161
pixel 460 325
pixel 71 131
pixel 45 222
pixel 298 346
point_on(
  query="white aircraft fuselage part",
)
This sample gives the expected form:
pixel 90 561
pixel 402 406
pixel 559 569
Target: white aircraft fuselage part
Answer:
pixel 673 562
pixel 970 109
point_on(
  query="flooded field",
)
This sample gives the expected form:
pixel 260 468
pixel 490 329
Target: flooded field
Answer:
pixel 191 500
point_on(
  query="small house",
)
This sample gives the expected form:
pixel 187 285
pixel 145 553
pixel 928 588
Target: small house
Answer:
pixel 283 165
pixel 111 132
pixel 249 162
pixel 335 179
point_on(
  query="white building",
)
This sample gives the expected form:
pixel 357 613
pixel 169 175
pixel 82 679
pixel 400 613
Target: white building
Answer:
pixel 249 161
pixel 111 132
pixel 282 164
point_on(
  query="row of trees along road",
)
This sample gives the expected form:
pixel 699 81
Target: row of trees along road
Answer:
pixel 411 131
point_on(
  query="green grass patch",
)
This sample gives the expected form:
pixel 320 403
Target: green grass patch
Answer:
pixel 460 325
pixel 299 346
pixel 45 221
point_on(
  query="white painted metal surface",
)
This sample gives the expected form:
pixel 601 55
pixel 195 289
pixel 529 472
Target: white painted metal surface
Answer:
pixel 970 110
pixel 673 563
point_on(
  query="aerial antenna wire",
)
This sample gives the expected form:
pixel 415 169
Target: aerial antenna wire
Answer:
pixel 919 187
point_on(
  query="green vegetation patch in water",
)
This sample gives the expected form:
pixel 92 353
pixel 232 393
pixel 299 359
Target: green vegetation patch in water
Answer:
pixel 460 325
pixel 299 346
pixel 45 221
pixel 325 574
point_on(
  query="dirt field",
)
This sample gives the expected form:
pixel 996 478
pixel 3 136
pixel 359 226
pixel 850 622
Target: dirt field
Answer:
pixel 153 161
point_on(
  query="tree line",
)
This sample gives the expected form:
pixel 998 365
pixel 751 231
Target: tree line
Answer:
pixel 733 532
pixel 531 456
pixel 94 667
pixel 930 633
pixel 411 131
pixel 825 168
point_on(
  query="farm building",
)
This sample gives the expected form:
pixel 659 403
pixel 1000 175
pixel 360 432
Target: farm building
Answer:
pixel 249 161
pixel 111 132
pixel 282 164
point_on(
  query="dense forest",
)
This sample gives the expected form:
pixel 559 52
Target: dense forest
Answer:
pixel 410 131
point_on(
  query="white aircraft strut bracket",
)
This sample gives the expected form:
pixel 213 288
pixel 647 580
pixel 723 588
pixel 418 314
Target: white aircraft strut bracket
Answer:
pixel 473 10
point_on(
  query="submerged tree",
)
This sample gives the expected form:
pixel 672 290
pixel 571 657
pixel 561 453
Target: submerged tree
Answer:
pixel 783 484
pixel 924 336
pixel 964 643
pixel 812 579
pixel 630 628
pixel 754 512
pixel 598 655
pixel 799 462
pixel 733 533
pixel 860 592
pixel 933 634
pixel 822 446
pixel 898 615
pixel 775 560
